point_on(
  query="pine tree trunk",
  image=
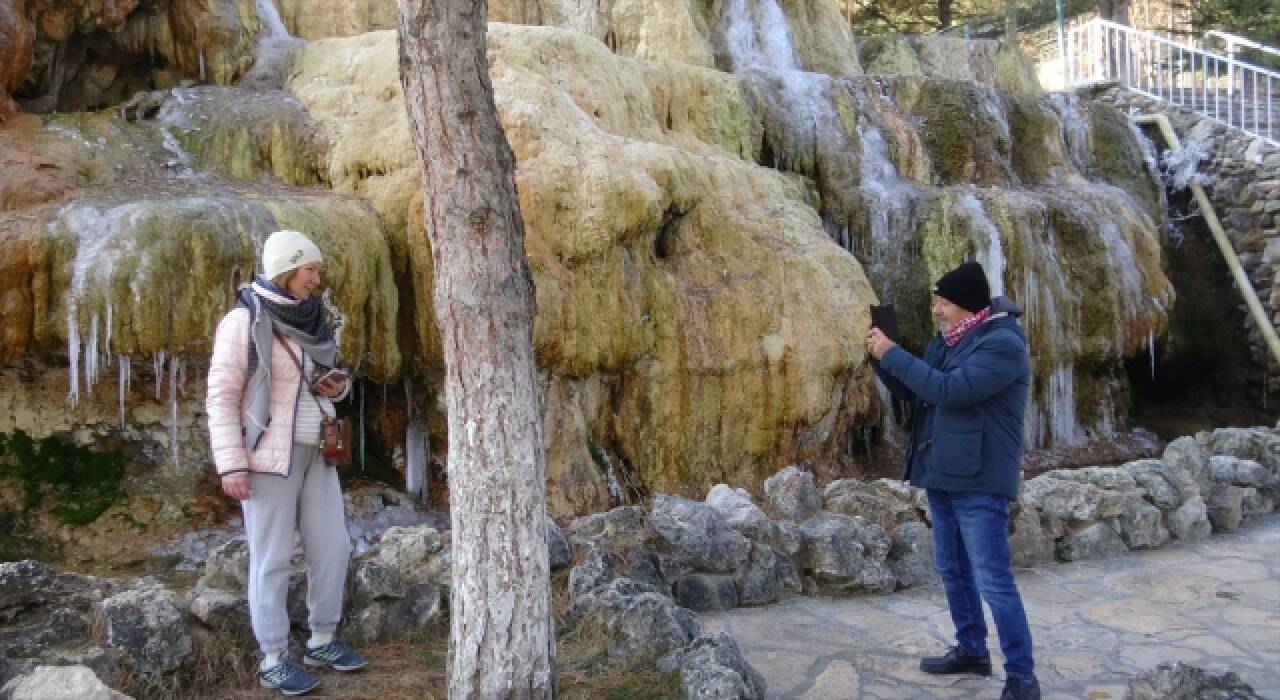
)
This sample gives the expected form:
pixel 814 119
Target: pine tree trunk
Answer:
pixel 501 643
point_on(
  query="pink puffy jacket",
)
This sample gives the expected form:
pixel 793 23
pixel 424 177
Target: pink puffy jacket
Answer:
pixel 228 372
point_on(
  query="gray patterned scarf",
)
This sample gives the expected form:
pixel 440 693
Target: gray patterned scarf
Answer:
pixel 301 321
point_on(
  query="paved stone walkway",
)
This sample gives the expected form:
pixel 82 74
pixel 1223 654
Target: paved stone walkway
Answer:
pixel 1214 603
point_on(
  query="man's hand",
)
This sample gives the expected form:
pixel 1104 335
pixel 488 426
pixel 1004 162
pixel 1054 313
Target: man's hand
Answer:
pixel 878 343
pixel 236 485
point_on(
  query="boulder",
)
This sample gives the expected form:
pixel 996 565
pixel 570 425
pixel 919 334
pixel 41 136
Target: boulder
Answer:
pixel 414 608
pixel 1071 499
pixel 1240 472
pixel 767 575
pixel 23 583
pixel 561 557
pixel 658 570
pixel 704 592
pixel 1226 507
pixel 1164 489
pixel 1105 478
pixel 1186 453
pixel 911 556
pixel 792 494
pixel 1259 444
pixel 220 610
pixel 597 568
pixel 696 536
pixel 417 553
pixel 637 622
pixel 1179 681
pixel 1094 541
pixel 146 625
pixel 1191 520
pixel 874 501
pixel 1029 543
pixel 227 567
pixel 59 683
pixel 371 581
pixel 1141 526
pixel 741 513
pixel 846 554
pixel 618 529
pixel 712 668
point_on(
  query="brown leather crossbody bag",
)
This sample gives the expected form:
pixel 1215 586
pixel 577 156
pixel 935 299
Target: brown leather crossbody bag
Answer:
pixel 335 433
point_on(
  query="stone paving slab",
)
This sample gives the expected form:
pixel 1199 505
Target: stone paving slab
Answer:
pixel 1213 603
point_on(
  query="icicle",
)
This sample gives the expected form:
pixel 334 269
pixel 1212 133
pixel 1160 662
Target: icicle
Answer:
pixel 173 408
pixel 106 348
pixel 269 17
pixel 157 364
pixel 611 479
pixel 122 369
pixel 73 354
pixel 91 355
pixel 415 457
pixel 201 59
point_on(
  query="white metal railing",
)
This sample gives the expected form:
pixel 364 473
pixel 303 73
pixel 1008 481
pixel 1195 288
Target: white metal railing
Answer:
pixel 1220 87
pixel 1234 40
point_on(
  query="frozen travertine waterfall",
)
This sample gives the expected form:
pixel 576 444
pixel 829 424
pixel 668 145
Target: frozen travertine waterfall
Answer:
pixel 1014 185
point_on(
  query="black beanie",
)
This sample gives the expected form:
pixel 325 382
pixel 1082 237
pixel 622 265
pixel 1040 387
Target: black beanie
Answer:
pixel 966 287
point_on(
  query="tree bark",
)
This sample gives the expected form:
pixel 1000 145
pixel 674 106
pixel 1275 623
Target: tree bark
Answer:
pixel 501 643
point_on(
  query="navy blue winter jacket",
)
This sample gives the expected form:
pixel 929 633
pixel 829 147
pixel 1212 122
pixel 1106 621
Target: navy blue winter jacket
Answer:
pixel 968 404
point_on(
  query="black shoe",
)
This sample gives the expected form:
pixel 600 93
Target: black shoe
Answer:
pixel 1016 689
pixel 957 660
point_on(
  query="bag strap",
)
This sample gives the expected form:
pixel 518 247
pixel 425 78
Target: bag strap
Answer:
pixel 324 415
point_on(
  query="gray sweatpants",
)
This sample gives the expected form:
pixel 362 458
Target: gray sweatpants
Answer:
pixel 310 502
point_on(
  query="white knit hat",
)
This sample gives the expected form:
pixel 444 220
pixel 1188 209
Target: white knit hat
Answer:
pixel 288 250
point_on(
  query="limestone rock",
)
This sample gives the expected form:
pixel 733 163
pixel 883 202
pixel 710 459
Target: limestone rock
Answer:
pixel 704 592
pixel 875 501
pixel 617 529
pixel 1259 444
pixel 741 513
pixel 792 495
pixel 1240 472
pixel 560 556
pixel 371 580
pixel 597 568
pixel 1186 453
pixel 766 577
pixel 911 558
pixel 59 683
pixel 712 668
pixel 1191 520
pixel 220 610
pixel 1141 526
pixel 228 566
pixel 1226 507
pixel 1072 499
pixel 1029 543
pixel 414 608
pixel 1179 681
pixel 1163 486
pixel 417 553
pixel 695 534
pixel 146 625
pixel 1094 541
pixel 637 623
pixel 846 554
pixel 23 583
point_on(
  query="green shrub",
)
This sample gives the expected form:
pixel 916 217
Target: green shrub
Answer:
pixel 80 482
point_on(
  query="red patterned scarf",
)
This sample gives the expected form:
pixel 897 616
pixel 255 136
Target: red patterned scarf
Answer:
pixel 957 332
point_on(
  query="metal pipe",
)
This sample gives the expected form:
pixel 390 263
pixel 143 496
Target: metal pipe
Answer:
pixel 1220 237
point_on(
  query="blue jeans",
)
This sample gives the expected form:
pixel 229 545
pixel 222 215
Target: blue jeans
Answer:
pixel 971 554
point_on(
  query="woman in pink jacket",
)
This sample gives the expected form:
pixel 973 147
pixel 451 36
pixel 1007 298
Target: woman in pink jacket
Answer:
pixel 270 383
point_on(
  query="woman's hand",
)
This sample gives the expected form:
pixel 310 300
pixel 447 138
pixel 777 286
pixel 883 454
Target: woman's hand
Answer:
pixel 236 485
pixel 330 387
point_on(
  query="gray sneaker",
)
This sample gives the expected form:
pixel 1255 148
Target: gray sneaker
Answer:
pixel 289 678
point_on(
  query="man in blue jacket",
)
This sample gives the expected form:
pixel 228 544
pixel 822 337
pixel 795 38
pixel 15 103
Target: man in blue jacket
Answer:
pixel 969 396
